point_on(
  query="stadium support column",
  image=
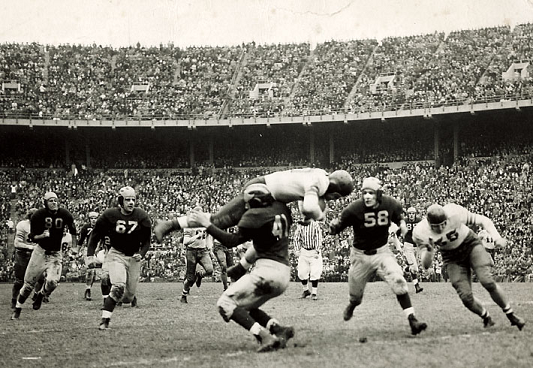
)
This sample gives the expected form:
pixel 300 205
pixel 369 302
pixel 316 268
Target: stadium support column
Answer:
pixel 191 150
pixel 455 141
pixel 88 155
pixel 436 128
pixel 311 145
pixel 211 155
pixel 331 148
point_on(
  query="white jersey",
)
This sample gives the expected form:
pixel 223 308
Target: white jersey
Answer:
pixel 293 185
pixel 22 232
pixel 454 233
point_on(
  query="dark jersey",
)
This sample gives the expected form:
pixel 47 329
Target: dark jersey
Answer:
pixel 84 233
pixel 127 233
pixel 410 226
pixel 370 225
pixel 267 227
pixel 43 220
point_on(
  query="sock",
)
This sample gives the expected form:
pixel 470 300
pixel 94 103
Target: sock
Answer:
pixel 507 309
pixel 484 313
pixel 408 311
pixel 314 290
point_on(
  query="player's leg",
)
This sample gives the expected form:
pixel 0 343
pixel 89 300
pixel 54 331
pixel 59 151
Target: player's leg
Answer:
pixel 248 293
pixel 222 260
pixel 482 263
pixel 304 270
pixel 190 274
pixel 36 267
pixel 133 273
pixel 53 267
pixel 359 274
pixel 410 256
pixel 22 258
pixel 315 275
pixel 199 274
pixel 89 280
pixel 116 265
pixel 388 269
pixel 461 279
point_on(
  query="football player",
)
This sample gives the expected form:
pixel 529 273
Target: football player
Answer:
pixel 409 247
pixel 198 245
pixel 446 229
pixel 46 227
pixel 312 186
pixel 267 223
pixel 224 256
pixel 23 249
pixel 370 217
pixel 84 235
pixel 129 231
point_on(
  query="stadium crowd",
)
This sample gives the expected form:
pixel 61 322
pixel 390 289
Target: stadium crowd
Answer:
pixel 496 186
pixel 167 82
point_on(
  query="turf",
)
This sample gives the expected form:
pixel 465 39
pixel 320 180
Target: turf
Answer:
pixel 162 332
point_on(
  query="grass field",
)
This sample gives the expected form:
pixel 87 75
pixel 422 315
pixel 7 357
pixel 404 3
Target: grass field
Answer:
pixel 161 332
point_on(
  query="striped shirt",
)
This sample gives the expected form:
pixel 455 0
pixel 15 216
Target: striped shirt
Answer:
pixel 308 237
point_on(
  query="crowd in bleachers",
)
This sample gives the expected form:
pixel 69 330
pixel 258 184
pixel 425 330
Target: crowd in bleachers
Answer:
pixel 167 82
pixel 498 187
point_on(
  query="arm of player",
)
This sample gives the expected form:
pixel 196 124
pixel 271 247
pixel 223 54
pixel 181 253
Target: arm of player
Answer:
pixel 311 205
pixel 488 225
pixel 427 251
pixel 226 238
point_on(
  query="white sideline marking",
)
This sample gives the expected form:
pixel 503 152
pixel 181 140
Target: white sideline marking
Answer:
pixel 157 361
pixel 31 358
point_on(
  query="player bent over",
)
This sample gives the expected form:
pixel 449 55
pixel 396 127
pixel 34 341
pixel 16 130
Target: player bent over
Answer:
pixel 129 231
pixel 446 228
pixel 267 223
pixel 370 217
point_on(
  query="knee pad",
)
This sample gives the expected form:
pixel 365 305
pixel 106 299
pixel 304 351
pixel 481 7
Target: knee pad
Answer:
pixel 117 292
pixel 399 286
pixel 226 306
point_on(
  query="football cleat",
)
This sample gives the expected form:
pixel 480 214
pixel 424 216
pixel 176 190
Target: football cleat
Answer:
pixel 16 313
pixel 314 297
pixel 305 294
pixel 236 272
pixel 37 301
pixel 268 342
pixel 416 327
pixel 198 280
pixel 419 289
pixel 348 311
pixel 134 302
pixel 161 229
pixel 104 324
pixel 88 294
pixel 488 322
pixel 283 333
pixel 183 299
pixel 516 321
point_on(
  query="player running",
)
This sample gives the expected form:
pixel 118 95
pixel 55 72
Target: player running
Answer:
pixel 446 229
pixel 129 231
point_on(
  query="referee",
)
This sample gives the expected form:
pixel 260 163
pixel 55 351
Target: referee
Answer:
pixel 308 243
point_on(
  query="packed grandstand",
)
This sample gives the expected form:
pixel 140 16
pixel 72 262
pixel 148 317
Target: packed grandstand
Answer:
pixel 479 160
